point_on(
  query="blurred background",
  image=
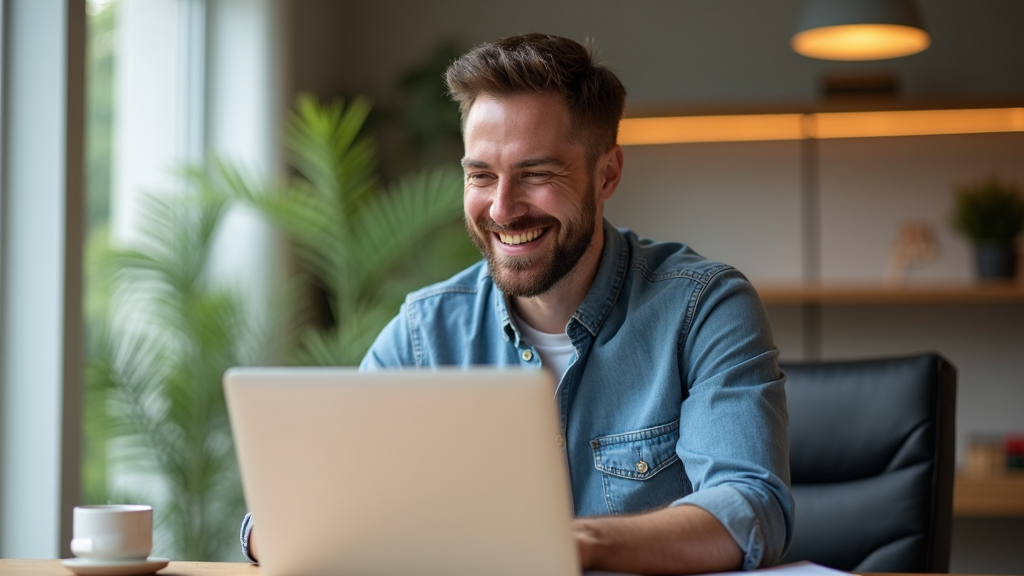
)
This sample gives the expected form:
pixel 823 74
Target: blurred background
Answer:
pixel 192 125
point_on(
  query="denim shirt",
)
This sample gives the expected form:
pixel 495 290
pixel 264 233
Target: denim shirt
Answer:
pixel 674 395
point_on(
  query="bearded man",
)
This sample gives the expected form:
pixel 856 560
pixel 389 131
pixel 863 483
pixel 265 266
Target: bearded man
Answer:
pixel 672 406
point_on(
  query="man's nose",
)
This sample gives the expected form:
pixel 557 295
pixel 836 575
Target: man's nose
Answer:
pixel 508 202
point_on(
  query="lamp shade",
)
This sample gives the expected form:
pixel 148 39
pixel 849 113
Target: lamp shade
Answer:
pixel 859 30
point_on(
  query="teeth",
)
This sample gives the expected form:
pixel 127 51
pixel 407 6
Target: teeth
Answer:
pixel 519 238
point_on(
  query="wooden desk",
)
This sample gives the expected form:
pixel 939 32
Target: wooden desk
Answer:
pixel 53 568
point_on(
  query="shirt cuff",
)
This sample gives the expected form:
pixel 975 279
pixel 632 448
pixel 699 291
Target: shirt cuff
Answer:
pixel 735 513
pixel 243 537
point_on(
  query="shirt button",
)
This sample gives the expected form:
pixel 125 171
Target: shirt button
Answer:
pixel 642 467
pixel 527 355
pixel 560 441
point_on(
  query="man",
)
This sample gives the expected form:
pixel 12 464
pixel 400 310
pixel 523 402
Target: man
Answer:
pixel 671 400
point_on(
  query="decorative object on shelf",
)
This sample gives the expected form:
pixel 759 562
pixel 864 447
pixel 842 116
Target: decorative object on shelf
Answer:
pixel 990 213
pixel 859 30
pixel 985 455
pixel 1015 452
pixel 914 246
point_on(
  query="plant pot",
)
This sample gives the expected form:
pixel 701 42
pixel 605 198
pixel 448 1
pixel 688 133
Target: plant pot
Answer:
pixel 996 259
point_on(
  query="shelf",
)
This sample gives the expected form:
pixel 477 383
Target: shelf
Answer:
pixel 989 496
pixel 826 106
pixel 850 293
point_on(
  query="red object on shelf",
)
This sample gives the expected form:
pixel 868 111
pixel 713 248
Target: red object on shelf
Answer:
pixel 1014 448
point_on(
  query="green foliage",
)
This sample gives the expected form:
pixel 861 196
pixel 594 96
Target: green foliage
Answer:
pixel 429 117
pixel 156 366
pixel 101 25
pixel 99 108
pixel 353 237
pixel 989 210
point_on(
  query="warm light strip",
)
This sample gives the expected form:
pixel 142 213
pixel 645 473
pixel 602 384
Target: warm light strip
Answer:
pixel 678 129
pixel 754 127
pixel 918 122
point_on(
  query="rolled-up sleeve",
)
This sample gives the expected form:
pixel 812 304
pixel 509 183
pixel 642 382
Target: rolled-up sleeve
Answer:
pixel 735 443
pixel 244 535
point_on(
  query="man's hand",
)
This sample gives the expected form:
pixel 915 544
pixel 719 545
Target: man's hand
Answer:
pixel 677 540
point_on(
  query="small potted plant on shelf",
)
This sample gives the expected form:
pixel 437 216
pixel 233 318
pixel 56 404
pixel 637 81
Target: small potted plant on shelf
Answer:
pixel 990 213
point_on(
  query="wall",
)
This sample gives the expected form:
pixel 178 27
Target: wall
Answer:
pixel 667 52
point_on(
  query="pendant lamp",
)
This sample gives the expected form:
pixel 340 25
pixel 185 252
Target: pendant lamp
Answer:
pixel 859 30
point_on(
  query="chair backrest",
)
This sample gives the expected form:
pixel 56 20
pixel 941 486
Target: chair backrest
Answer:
pixel 871 458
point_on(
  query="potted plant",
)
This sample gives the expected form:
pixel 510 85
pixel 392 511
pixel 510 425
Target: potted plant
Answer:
pixel 990 213
pixel 165 333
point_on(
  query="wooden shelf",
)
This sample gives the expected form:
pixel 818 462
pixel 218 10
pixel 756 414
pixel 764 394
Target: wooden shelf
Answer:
pixel 849 293
pixel 999 496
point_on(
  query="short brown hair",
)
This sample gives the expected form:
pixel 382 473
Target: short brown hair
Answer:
pixel 541 63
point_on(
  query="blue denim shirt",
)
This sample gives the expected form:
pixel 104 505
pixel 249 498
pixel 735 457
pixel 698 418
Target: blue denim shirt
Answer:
pixel 674 395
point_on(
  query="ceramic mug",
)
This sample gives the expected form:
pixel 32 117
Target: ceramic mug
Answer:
pixel 112 532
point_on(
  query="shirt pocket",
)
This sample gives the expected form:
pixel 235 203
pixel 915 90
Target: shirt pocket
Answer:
pixel 640 470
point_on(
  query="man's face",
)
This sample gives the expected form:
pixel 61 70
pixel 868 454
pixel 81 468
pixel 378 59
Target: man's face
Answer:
pixel 530 202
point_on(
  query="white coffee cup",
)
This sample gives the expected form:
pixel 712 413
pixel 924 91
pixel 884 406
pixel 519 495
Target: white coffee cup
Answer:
pixel 112 532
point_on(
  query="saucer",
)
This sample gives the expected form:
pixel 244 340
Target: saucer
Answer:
pixel 85 567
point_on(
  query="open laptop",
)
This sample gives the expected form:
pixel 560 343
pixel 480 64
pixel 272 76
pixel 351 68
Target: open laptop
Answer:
pixel 447 472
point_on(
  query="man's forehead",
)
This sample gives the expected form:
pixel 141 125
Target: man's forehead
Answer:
pixel 525 129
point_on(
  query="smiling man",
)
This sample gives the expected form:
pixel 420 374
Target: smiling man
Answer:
pixel 672 402
pixel 673 412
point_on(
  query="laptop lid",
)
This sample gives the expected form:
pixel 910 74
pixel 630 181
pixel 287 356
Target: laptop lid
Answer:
pixel 448 472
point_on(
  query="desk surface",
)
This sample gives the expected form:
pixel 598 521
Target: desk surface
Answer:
pixel 53 568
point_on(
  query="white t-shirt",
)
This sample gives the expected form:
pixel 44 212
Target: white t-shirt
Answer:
pixel 555 350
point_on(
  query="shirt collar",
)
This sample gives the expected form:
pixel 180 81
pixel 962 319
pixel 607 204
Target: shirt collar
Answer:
pixel 605 290
pixel 508 327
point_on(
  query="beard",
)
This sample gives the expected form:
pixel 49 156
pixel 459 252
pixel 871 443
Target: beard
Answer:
pixel 525 276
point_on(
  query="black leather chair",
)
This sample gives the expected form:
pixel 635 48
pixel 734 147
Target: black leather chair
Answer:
pixel 871 457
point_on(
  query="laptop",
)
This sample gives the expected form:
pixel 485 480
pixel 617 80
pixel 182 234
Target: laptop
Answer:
pixel 444 472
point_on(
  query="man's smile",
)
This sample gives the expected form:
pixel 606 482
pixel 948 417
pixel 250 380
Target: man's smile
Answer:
pixel 520 237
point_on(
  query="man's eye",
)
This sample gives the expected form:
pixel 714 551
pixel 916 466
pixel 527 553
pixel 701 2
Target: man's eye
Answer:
pixel 478 177
pixel 535 175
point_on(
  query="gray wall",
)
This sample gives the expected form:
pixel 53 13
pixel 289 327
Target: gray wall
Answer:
pixel 667 52
pixel 740 202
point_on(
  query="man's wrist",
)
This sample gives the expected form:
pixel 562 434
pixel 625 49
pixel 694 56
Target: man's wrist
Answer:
pixel 589 541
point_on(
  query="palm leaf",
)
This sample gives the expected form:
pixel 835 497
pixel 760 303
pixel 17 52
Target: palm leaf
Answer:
pixel 395 223
pixel 325 147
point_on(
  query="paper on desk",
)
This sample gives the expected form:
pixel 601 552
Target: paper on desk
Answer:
pixel 794 569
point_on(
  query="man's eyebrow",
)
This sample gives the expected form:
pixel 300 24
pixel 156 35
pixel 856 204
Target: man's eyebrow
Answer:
pixel 541 161
pixel 472 163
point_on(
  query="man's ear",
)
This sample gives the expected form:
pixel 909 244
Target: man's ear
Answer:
pixel 609 172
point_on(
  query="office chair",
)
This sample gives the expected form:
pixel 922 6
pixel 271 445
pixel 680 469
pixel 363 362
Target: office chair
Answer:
pixel 871 457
